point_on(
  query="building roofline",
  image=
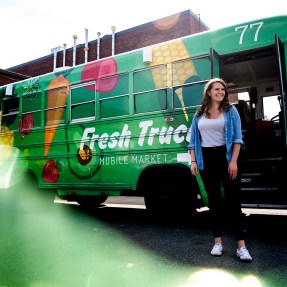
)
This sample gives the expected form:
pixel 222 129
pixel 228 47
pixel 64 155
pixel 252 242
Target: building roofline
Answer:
pixel 133 29
pixel 10 73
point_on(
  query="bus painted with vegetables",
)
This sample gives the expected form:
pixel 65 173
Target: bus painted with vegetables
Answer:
pixel 121 125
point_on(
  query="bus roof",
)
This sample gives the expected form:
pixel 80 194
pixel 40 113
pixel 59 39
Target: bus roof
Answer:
pixel 224 40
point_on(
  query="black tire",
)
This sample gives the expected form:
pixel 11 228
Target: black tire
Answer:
pixel 170 192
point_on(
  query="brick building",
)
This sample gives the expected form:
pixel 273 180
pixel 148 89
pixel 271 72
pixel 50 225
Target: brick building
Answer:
pixel 164 29
pixel 8 77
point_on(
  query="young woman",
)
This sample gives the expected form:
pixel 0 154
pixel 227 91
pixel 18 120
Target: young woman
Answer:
pixel 215 143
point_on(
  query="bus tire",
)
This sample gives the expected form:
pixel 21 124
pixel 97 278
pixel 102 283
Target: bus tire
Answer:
pixel 169 191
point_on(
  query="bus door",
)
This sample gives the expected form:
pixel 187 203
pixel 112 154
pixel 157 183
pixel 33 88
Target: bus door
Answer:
pixel 282 82
pixel 215 64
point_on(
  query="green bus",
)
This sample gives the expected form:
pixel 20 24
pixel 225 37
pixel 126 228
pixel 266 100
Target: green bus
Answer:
pixel 120 126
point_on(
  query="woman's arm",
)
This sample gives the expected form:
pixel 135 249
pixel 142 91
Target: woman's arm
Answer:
pixel 193 166
pixel 232 167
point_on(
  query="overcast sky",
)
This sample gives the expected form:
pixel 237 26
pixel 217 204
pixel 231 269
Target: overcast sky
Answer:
pixel 31 28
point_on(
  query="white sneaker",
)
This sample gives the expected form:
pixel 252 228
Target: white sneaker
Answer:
pixel 243 254
pixel 216 250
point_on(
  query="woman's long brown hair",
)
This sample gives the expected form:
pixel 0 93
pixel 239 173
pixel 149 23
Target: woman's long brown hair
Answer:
pixel 206 102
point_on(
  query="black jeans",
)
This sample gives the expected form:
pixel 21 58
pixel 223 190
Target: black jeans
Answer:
pixel 215 175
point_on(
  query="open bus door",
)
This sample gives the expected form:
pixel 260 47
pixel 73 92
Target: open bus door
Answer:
pixel 282 82
pixel 215 63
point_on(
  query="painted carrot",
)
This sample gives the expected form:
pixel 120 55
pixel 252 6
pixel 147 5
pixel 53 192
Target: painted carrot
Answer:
pixel 58 91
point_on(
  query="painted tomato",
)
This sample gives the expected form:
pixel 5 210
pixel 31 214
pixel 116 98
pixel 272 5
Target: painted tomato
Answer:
pixel 50 172
pixel 97 70
pixel 26 124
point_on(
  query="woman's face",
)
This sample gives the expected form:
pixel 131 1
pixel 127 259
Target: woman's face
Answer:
pixel 217 92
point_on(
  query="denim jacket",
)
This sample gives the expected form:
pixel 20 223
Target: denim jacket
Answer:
pixel 233 134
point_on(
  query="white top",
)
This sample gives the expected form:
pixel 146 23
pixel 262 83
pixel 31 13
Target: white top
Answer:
pixel 212 131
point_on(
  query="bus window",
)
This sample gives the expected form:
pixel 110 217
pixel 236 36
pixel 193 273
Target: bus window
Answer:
pixel 187 77
pixel 114 102
pixel 188 96
pixel 150 93
pixel 150 79
pixel 55 106
pixel 10 111
pixel 11 106
pixel 114 107
pixel 271 107
pixel 31 110
pixel 83 102
pixel 151 101
pixel 184 71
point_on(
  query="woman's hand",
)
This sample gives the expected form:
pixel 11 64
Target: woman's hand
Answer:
pixel 233 170
pixel 193 168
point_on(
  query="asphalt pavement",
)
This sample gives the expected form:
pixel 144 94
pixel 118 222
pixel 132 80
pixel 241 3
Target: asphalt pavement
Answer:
pixel 59 244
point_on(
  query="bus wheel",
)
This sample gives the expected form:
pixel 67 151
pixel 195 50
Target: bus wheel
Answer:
pixel 170 193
